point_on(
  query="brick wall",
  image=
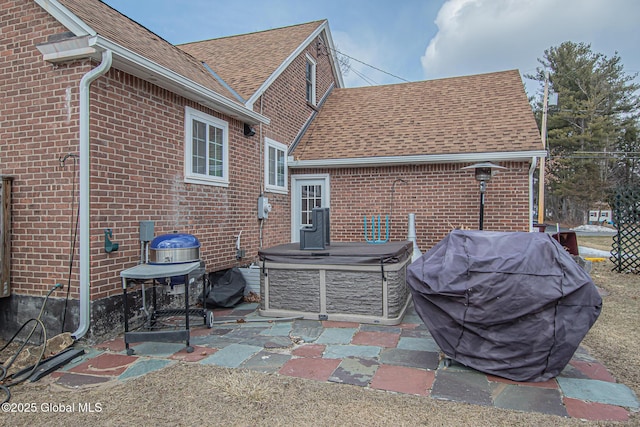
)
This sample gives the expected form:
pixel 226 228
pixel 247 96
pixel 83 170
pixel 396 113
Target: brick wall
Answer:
pixel 285 104
pixel 442 196
pixel 39 125
pixel 137 170
pixel 138 174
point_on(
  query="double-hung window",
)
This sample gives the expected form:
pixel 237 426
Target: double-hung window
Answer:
pixel 275 160
pixel 206 148
pixel 311 80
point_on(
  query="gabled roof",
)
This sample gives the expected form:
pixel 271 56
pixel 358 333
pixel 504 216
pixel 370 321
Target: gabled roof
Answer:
pixel 480 117
pixel 143 53
pixel 249 62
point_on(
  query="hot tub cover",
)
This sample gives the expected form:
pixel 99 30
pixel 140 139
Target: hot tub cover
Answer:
pixel 344 253
pixel 511 304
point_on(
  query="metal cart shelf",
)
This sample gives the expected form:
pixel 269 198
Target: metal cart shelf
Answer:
pixel 145 272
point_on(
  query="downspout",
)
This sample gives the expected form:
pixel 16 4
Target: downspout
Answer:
pixel 85 241
pixel 534 164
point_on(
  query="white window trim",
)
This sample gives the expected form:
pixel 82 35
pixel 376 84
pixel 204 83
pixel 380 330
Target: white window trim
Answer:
pixel 313 79
pixel 268 142
pixel 195 178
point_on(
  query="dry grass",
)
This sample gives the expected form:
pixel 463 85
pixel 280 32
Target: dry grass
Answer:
pixel 192 394
pixel 602 243
pixel 615 337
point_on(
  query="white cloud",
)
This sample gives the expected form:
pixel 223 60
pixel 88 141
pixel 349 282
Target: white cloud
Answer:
pixel 478 36
pixel 390 36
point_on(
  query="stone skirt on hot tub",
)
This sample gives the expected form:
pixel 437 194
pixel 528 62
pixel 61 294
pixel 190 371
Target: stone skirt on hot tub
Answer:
pixel 357 282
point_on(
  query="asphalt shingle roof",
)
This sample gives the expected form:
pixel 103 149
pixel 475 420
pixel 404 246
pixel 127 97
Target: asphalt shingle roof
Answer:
pixel 120 29
pixel 246 61
pixel 471 114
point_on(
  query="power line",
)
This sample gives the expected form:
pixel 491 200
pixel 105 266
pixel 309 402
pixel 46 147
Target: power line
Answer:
pixel 600 155
pixel 363 77
pixel 595 157
pixel 368 65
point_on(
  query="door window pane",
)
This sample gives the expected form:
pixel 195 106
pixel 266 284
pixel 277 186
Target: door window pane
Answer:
pixel 311 197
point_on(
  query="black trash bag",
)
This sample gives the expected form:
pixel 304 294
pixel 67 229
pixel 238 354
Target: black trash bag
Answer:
pixel 227 288
pixel 510 304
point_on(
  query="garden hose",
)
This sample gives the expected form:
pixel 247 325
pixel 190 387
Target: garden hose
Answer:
pixel 4 387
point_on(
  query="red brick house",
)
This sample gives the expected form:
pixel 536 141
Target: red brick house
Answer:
pixel 130 115
pixel 81 79
pixel 400 149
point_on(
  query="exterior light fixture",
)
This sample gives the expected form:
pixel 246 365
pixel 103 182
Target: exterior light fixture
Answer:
pixel 249 130
pixel 483 174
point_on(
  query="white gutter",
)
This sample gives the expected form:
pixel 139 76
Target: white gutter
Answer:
pixel 509 156
pixel 534 164
pixel 85 241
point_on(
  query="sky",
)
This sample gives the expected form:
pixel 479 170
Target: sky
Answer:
pixel 413 40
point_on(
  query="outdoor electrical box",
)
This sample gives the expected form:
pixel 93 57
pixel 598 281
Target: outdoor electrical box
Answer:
pixel 263 207
pixel 146 231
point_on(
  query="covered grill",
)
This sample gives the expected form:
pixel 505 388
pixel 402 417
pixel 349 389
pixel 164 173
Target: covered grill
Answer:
pixel 174 262
pixel 174 248
pixel 513 304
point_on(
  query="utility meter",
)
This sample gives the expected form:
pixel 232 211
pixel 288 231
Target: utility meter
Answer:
pixel 264 207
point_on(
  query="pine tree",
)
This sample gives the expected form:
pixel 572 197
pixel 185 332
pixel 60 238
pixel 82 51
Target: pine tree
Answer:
pixel 591 129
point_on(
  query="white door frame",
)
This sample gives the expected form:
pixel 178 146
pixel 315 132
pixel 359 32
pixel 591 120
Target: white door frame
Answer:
pixel 296 181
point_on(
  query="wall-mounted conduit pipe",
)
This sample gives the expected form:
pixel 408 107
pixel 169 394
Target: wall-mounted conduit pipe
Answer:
pixel 85 241
pixel 534 164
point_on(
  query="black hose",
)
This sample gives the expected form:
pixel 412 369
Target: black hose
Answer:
pixel 393 192
pixel 4 387
pixel 73 250
pixel 73 233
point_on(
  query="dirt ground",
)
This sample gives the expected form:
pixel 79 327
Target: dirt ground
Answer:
pixel 189 394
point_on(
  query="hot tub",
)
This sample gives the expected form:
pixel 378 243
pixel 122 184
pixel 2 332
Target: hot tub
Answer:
pixel 355 282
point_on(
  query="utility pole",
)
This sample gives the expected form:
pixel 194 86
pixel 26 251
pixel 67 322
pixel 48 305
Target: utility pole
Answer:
pixel 543 133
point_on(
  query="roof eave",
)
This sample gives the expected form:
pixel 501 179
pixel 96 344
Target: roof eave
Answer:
pixel 133 63
pixel 68 49
pixel 505 156
pixel 66 17
pixel 89 44
pixel 333 57
pixel 283 66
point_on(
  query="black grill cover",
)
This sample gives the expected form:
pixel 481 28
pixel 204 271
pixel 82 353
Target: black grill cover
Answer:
pixel 227 288
pixel 511 304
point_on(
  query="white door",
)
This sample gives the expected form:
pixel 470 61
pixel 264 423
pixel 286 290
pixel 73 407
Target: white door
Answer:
pixel 309 191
